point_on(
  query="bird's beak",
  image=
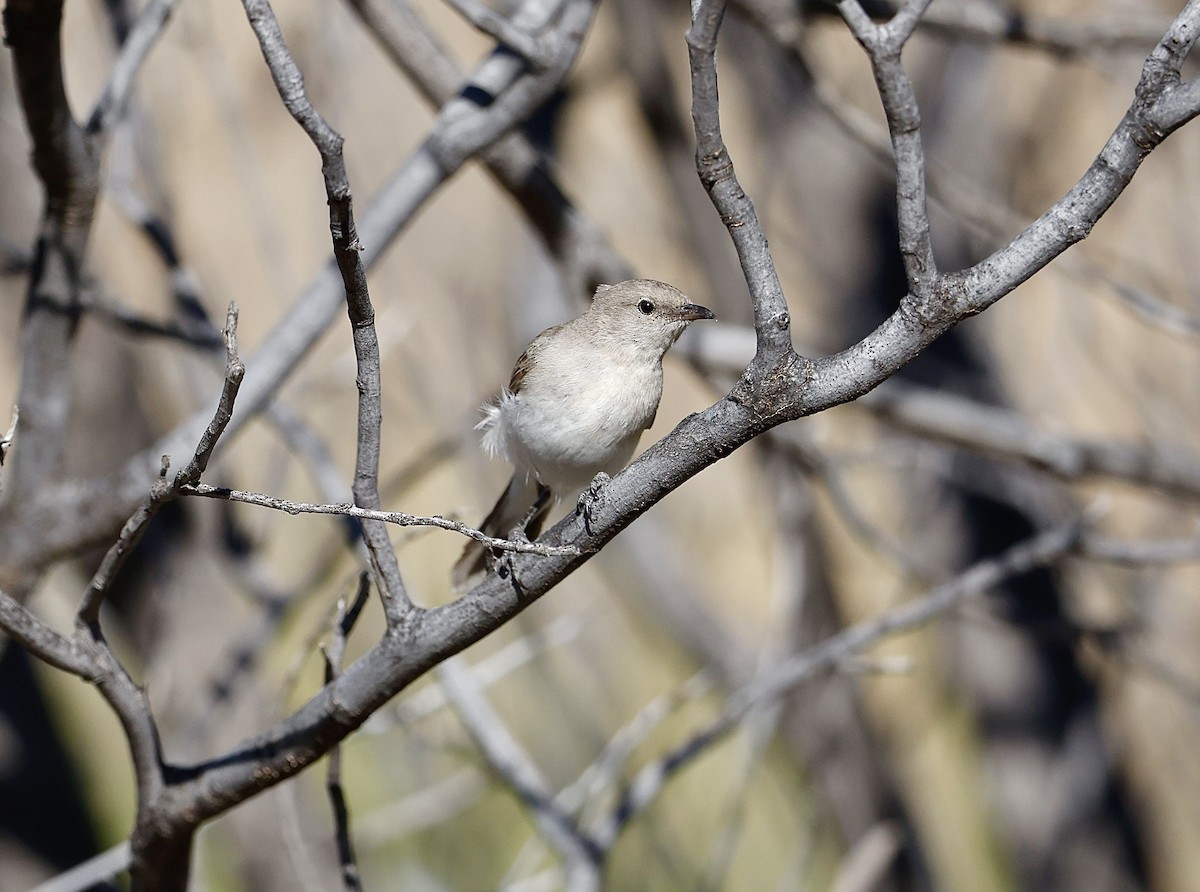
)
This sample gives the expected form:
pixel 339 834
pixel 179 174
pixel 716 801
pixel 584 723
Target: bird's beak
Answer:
pixel 693 312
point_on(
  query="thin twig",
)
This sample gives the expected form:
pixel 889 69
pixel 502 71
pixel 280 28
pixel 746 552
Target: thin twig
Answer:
pixel 398 518
pixel 162 492
pixel 88 615
pixel 234 372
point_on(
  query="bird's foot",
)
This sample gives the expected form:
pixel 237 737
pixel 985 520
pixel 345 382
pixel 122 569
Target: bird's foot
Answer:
pixel 536 509
pixel 591 499
pixel 501 561
pixel 505 568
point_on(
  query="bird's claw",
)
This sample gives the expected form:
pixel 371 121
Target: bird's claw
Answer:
pixel 590 499
pixel 505 568
pixel 500 560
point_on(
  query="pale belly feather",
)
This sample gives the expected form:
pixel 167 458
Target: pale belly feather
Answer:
pixel 569 430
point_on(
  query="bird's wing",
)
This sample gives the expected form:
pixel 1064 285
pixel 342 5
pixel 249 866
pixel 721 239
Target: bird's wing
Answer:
pixel 526 360
pixel 521 369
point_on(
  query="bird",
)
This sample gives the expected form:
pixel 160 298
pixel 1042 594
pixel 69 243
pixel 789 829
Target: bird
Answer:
pixel 576 405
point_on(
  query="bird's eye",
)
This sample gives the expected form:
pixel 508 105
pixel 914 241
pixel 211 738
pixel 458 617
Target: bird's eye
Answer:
pixel 645 307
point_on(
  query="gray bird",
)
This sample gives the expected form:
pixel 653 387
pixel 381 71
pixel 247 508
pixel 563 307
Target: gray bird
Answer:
pixel 580 396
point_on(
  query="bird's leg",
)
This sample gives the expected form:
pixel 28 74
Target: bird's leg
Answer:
pixel 535 512
pixel 501 561
pixel 506 569
pixel 590 499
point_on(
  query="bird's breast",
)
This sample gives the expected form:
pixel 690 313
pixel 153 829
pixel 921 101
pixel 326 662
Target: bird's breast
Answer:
pixel 573 420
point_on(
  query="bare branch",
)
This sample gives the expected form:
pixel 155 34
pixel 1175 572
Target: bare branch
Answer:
pixel 398 518
pixel 67 654
pixel 66 161
pixel 884 44
pixel 999 432
pixel 348 254
pixel 904 22
pixel 63 154
pixel 772 323
pixel 235 371
pixel 151 21
pixel 87 618
pixel 88 615
pixel 509 33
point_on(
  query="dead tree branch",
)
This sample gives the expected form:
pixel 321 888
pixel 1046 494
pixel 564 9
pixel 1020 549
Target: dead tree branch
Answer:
pixel 347 254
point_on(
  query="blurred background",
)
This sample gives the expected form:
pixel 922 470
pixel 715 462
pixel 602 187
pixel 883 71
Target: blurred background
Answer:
pixel 1041 737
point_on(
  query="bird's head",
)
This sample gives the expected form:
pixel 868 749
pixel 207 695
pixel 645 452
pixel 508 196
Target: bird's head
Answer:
pixel 645 312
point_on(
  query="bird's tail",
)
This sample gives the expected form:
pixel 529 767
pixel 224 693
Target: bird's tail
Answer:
pixel 524 503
